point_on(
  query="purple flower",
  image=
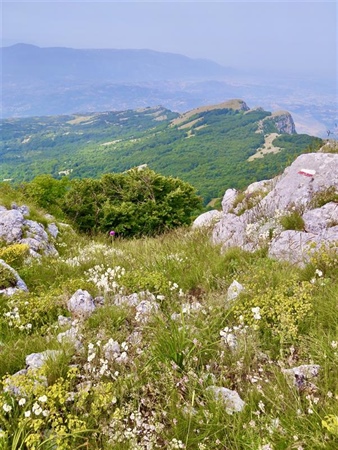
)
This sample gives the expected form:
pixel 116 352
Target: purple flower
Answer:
pixel 112 233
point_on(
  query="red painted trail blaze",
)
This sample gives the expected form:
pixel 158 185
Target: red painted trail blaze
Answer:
pixel 307 172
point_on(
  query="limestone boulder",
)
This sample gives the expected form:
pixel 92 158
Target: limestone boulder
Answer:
pixel 308 174
pixel 11 224
pixel 207 219
pixel 297 247
pixel 229 200
pixel 318 219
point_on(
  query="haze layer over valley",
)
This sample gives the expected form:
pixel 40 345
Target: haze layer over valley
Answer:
pixel 50 81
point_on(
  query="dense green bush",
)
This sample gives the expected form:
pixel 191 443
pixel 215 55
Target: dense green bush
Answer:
pixel 134 203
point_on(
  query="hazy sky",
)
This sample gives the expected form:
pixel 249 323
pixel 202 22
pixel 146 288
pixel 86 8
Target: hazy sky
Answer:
pixel 296 36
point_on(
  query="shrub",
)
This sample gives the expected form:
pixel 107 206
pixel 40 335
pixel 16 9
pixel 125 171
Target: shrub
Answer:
pixel 133 203
pixel 292 221
pixel 282 308
pixel 14 254
pixel 326 196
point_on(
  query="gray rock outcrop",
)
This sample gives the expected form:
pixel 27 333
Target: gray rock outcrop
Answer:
pixel 20 285
pixel 11 224
pixel 15 228
pixel 283 122
pixel 294 191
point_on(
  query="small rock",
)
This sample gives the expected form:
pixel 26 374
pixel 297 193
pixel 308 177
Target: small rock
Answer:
pixel 111 350
pixel 53 229
pixel 24 210
pixel 230 399
pixel 144 310
pixel 37 360
pixel 228 200
pixel 234 290
pixel 11 223
pixel 318 219
pixel 70 337
pixel 20 284
pixel 129 300
pixel 299 376
pixel 64 321
pixel 262 186
pixel 81 304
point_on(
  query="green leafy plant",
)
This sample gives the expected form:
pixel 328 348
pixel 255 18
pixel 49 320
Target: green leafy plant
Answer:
pixel 7 278
pixel 292 221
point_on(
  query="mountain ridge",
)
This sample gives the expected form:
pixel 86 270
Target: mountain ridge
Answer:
pixel 210 149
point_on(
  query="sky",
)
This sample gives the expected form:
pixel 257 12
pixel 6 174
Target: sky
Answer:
pixel 285 36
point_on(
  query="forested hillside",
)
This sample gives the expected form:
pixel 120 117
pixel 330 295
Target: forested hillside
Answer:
pixel 213 148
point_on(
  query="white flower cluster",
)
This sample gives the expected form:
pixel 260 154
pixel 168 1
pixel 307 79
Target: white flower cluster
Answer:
pixel 318 275
pixel 90 251
pixel 140 431
pixel 106 278
pixel 176 257
pixel 176 444
pixel 256 311
pixel 37 408
pixel 14 320
pixel 263 230
pixel 188 309
pixel 230 335
pixel 101 358
pixel 174 287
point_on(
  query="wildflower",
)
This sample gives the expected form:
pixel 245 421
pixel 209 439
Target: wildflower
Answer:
pixel 261 406
pixel 91 357
pixel 256 312
pixel 27 414
pixel 43 398
pixel 334 344
pixel 22 401
pixel 37 410
pixel 7 408
pixel 319 272
pixel 112 233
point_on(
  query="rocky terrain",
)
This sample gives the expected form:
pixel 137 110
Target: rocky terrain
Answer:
pixel 252 219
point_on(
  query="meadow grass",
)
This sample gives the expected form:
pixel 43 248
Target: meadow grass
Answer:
pixel 153 391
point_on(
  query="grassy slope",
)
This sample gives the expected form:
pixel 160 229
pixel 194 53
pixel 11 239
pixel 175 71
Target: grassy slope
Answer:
pixel 159 394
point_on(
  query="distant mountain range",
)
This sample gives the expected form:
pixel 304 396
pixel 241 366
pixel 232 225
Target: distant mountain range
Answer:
pixel 22 63
pixel 211 147
pixel 50 81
